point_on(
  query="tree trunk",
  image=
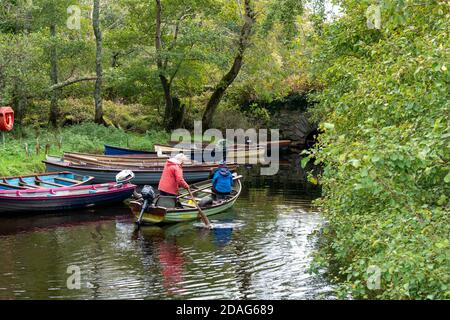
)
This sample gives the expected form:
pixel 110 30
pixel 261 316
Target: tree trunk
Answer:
pixel 229 77
pixel 54 108
pixel 19 100
pixel 159 63
pixel 110 92
pixel 98 64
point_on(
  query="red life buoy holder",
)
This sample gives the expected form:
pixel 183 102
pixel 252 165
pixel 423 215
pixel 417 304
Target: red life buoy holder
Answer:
pixel 6 118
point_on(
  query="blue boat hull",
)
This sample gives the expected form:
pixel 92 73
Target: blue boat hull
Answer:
pixel 117 151
pixel 194 154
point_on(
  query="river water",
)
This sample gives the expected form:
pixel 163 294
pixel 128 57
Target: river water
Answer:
pixel 261 251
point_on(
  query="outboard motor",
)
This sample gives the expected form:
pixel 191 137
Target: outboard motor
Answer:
pixel 148 195
pixel 124 177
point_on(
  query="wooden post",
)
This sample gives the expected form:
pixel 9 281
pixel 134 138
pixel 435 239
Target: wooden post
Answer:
pixel 47 148
pixel 38 146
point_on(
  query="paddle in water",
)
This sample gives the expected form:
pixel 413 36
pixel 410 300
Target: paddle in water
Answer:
pixel 202 215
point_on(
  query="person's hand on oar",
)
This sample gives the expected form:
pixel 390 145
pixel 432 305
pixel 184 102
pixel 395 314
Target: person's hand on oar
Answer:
pixel 202 215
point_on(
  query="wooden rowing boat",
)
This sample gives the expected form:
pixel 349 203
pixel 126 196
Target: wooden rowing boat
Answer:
pixel 237 155
pixel 102 160
pixel 188 211
pixel 143 175
pixel 130 161
pixel 65 198
pixel 267 144
pixel 44 180
pixel 118 158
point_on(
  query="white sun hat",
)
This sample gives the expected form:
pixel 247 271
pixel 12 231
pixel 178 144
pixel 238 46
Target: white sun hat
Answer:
pixel 179 158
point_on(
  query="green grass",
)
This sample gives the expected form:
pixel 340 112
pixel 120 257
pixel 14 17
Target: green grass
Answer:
pixel 87 137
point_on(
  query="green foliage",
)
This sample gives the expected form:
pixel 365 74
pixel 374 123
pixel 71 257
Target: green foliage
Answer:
pixel 133 117
pixel 384 110
pixel 199 43
pixel 87 137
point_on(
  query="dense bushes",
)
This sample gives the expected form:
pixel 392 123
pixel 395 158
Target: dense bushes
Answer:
pixel 384 110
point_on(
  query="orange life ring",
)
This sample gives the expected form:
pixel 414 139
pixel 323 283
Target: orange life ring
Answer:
pixel 6 118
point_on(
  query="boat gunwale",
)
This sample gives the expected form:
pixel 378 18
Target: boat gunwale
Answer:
pixel 143 152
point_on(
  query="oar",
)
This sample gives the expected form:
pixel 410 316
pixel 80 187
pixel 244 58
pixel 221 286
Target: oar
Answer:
pixel 195 191
pixel 202 215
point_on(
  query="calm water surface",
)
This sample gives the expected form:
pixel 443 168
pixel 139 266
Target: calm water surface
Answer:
pixel 261 252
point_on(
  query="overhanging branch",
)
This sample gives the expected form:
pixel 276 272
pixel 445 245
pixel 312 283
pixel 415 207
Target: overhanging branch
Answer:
pixel 71 81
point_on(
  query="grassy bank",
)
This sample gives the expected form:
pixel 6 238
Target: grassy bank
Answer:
pixel 86 137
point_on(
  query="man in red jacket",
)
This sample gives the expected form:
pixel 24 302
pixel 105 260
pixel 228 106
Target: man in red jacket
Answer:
pixel 172 176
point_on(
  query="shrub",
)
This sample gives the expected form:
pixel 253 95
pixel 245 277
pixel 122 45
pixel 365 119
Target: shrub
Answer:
pixel 385 151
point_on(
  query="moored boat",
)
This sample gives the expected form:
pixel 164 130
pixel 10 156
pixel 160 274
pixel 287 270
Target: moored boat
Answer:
pixel 132 162
pixel 102 160
pixel 112 150
pixel 44 180
pixel 235 154
pixel 282 144
pixel 143 175
pixel 129 157
pixel 64 198
pixel 187 211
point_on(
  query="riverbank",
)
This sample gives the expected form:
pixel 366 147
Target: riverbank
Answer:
pixel 24 147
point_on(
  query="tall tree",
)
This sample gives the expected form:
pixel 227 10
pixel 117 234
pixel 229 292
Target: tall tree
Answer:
pixel 54 108
pixel 98 64
pixel 174 111
pixel 243 43
pixel 165 82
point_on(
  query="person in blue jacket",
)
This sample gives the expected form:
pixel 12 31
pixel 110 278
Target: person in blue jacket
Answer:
pixel 222 181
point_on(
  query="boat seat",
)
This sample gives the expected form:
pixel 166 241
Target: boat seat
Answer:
pixel 184 204
pixel 11 186
pixel 22 183
pixel 39 181
pixel 67 180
